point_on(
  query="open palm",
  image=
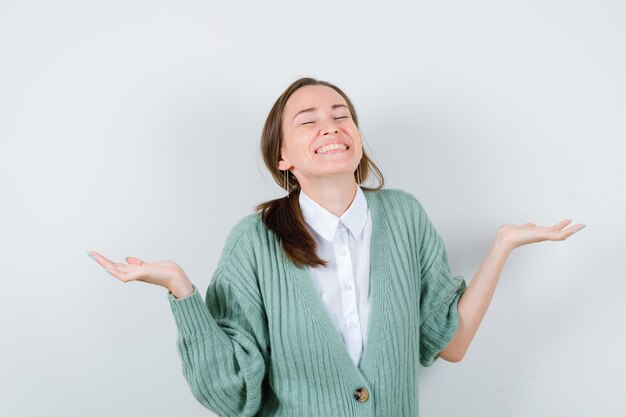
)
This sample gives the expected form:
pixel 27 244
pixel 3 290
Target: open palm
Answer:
pixel 516 236
pixel 162 273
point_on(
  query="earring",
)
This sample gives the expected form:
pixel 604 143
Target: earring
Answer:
pixel 285 182
pixel 358 168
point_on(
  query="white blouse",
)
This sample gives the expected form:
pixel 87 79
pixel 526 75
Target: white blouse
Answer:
pixel 343 286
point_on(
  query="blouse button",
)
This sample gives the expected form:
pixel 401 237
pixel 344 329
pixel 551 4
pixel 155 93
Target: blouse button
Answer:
pixel 342 252
pixel 361 394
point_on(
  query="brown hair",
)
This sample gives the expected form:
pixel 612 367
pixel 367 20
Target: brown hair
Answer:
pixel 283 215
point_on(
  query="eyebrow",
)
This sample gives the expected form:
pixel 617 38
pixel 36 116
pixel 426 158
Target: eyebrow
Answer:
pixel 335 106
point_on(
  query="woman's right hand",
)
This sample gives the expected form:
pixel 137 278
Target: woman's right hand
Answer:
pixel 166 274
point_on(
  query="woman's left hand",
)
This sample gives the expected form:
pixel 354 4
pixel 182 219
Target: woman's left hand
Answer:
pixel 515 236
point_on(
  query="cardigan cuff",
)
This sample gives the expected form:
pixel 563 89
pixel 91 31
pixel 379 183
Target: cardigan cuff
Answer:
pixel 191 313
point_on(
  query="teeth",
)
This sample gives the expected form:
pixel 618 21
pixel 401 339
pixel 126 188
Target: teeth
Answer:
pixel 334 146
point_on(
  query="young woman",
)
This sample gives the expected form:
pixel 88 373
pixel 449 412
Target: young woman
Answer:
pixel 325 301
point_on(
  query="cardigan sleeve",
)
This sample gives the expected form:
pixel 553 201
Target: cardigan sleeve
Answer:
pixel 223 345
pixel 440 292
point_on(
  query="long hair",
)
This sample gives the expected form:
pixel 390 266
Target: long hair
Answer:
pixel 283 215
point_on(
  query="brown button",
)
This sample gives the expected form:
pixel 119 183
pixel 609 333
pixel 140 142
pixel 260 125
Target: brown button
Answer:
pixel 361 394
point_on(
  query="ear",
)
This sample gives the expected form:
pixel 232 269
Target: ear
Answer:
pixel 283 165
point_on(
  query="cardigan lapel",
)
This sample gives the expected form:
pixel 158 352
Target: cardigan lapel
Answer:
pixel 378 260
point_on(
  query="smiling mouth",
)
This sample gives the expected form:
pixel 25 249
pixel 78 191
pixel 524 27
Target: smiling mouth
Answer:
pixel 332 151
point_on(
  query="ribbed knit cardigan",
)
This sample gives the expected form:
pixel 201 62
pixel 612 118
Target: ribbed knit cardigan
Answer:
pixel 263 343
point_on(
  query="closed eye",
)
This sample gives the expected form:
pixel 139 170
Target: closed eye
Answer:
pixel 343 117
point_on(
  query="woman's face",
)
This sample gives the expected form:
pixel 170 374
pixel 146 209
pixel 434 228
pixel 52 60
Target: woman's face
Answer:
pixel 315 116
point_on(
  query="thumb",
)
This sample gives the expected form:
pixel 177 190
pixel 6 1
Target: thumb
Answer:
pixel 133 260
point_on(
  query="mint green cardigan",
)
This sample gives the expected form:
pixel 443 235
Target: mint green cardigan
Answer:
pixel 263 343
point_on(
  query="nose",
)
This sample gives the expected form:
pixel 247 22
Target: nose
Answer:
pixel 331 128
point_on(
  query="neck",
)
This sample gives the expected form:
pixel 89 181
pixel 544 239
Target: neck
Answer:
pixel 335 196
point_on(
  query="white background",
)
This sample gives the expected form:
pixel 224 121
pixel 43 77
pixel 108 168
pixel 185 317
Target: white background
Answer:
pixel 133 128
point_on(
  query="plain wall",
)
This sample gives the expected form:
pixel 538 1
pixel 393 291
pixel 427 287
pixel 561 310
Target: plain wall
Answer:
pixel 132 128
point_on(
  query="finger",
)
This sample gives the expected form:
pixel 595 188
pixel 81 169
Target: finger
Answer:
pixel 126 273
pixel 133 260
pixel 132 272
pixel 125 268
pixel 571 230
pixel 564 234
pixel 104 262
pixel 134 275
pixel 560 225
pixel 115 269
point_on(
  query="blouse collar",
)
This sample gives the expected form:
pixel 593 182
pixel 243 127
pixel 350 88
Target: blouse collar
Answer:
pixel 325 223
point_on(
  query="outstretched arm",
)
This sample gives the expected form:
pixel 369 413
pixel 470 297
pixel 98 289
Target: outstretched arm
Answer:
pixel 475 300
